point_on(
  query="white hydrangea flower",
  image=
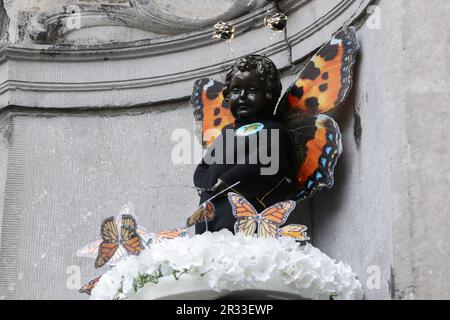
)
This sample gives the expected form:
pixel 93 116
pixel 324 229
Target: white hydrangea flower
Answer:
pixel 234 262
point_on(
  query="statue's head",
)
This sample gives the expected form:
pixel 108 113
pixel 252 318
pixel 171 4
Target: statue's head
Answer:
pixel 253 88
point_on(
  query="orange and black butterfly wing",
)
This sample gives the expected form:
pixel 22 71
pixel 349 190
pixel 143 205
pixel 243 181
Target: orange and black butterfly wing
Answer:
pixel 90 250
pixel 211 111
pixel 273 217
pixel 196 217
pixel 130 238
pixel 318 146
pixel 326 80
pixel 88 286
pixel 170 234
pixel 323 84
pixel 296 231
pixel 110 242
pixel 205 212
pixel 245 214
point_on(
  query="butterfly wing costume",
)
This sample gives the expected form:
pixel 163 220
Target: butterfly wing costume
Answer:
pixel 323 85
pixel 313 140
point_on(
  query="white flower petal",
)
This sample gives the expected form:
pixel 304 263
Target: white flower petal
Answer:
pixel 235 262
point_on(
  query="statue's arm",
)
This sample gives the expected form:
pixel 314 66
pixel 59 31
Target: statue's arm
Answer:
pixel 253 182
pixel 199 174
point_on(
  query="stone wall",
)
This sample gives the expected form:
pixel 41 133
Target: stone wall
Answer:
pixel 388 207
pixel 67 172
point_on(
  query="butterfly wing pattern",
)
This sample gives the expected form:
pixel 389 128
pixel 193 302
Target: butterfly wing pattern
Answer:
pixel 273 217
pixel 89 286
pixel 266 224
pixel 205 213
pixel 296 231
pixel 245 214
pixel 110 242
pixel 130 238
pixel 210 110
pixel 326 80
pixel 91 249
pixel 170 234
pixel 319 147
pixel 323 85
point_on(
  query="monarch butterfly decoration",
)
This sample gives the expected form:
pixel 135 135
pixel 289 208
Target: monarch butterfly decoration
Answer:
pixel 265 224
pixel 91 249
pixel 132 240
pixel 128 242
pixel 205 213
pixel 160 236
pixel 296 231
pixel 89 286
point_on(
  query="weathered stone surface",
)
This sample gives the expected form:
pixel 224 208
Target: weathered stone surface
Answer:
pixel 427 93
pixel 50 21
pixel 72 171
pixel 111 74
pixel 388 207
pixel 352 221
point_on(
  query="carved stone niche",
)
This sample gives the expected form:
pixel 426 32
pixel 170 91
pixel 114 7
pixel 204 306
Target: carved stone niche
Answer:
pixel 142 52
pixel 156 18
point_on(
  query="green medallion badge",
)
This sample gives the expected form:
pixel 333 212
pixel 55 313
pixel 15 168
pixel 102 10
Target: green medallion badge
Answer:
pixel 249 129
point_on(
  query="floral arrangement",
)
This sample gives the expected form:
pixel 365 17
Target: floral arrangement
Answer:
pixel 227 262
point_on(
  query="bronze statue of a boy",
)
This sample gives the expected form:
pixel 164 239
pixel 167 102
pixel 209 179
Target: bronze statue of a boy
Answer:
pixel 303 139
pixel 252 90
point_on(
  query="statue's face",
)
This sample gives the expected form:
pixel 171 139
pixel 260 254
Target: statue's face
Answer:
pixel 248 101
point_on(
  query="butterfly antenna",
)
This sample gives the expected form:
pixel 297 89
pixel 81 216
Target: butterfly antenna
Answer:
pixel 205 215
pixel 218 194
pixel 277 5
pixel 176 185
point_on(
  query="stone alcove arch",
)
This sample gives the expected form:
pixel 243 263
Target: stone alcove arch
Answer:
pixel 154 69
pixel 72 150
pixel 84 129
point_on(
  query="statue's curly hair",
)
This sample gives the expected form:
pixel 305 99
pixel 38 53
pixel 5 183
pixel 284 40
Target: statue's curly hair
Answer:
pixel 265 69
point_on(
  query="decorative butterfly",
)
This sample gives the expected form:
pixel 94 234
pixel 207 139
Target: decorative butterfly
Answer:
pixel 127 243
pixel 88 286
pixel 158 237
pixel 91 250
pixel 265 224
pixel 296 231
pixel 321 86
pixel 318 147
pixel 205 213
